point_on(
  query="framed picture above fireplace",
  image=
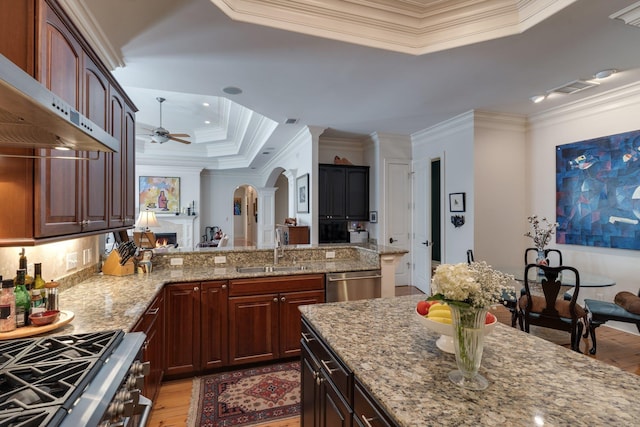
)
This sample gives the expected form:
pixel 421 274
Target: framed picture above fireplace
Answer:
pixel 160 194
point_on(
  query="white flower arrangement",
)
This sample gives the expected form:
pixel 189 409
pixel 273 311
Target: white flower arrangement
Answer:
pixel 475 284
pixel 542 231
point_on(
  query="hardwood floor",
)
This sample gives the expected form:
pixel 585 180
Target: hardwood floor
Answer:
pixel 615 347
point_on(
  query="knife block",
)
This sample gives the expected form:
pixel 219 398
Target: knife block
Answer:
pixel 112 267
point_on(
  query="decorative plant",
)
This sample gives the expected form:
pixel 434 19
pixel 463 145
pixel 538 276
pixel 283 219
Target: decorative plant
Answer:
pixel 475 284
pixel 541 231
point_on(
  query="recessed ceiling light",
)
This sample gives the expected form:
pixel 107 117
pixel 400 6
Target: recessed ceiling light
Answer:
pixel 537 98
pixel 604 74
pixel 232 90
pixel 205 104
pixel 206 122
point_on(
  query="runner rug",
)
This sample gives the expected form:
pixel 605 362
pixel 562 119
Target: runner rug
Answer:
pixel 246 397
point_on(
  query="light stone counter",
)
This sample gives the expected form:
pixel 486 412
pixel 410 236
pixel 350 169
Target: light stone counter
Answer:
pixel 104 302
pixel 532 382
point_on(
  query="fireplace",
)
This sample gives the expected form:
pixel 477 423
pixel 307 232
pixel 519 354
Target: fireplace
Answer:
pixel 166 239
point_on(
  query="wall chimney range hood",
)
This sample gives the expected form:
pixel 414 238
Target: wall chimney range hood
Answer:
pixel 31 116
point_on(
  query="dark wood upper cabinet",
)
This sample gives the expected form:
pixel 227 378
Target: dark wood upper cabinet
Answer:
pixel 343 192
pixel 62 198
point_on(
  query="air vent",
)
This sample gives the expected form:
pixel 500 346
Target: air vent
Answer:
pixel 573 87
pixel 291 121
pixel 629 15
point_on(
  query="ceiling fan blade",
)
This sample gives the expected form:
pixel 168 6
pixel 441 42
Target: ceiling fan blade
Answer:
pixel 181 135
pixel 184 141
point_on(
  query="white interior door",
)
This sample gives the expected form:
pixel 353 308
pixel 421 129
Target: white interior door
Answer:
pixel 398 214
pixel 420 244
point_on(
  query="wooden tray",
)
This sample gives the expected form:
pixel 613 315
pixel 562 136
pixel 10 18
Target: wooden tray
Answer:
pixel 27 331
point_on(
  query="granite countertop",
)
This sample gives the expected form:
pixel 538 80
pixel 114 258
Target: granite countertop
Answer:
pixel 389 349
pixel 105 302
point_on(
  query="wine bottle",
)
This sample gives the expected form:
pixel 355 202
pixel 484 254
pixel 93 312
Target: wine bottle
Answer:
pixel 38 281
pixel 23 300
pixel 22 265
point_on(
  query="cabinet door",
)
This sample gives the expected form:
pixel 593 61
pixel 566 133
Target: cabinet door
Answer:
pixel 151 323
pixel 331 204
pixel 253 328
pixel 357 193
pixel 214 324
pixel 290 319
pixel 58 186
pixel 129 166
pixel 95 107
pixel 309 389
pixel 334 411
pixel 116 160
pixel 182 329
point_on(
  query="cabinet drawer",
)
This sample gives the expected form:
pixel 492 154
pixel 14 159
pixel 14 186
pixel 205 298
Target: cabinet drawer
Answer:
pixel 339 374
pixel 275 284
pixel 367 412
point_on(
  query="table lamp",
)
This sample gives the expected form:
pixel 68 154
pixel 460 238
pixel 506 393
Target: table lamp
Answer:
pixel 147 219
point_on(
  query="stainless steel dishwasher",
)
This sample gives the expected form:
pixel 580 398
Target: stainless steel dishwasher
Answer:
pixel 354 285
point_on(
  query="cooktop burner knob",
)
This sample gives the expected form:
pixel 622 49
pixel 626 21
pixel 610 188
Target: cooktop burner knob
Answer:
pixel 115 410
pixel 135 382
pixel 140 368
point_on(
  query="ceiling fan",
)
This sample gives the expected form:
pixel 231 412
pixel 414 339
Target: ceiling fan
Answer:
pixel 161 135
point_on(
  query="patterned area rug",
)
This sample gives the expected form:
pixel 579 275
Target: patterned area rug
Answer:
pixel 246 397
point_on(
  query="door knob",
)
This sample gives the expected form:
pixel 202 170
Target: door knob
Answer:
pixel 391 240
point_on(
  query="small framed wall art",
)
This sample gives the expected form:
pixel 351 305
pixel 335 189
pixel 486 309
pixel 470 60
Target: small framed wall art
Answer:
pixel 302 193
pixel 456 202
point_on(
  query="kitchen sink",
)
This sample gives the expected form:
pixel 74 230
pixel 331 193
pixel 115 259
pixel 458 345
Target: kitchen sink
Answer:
pixel 270 268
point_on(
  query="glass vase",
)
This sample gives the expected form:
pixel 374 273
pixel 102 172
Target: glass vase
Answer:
pixel 541 259
pixel 468 340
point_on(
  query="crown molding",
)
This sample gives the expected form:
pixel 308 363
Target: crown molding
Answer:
pixel 88 26
pixel 403 26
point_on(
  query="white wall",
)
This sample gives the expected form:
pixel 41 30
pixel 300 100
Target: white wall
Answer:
pixel 608 114
pixel 453 143
pixel 499 211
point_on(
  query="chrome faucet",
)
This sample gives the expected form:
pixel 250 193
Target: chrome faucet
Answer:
pixel 278 249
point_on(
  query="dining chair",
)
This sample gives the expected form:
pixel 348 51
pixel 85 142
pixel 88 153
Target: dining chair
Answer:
pixel 551 310
pixel 603 311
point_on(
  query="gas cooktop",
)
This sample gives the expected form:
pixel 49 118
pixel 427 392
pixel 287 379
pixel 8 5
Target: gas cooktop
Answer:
pixel 41 378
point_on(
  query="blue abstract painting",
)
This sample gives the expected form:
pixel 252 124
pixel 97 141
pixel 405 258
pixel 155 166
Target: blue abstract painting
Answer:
pixel 598 192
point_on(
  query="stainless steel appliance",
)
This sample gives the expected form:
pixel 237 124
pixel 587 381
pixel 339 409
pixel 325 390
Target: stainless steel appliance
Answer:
pixel 355 285
pixel 92 379
pixel 32 116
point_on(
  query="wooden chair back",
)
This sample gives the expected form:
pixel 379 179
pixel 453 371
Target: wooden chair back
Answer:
pixel 551 310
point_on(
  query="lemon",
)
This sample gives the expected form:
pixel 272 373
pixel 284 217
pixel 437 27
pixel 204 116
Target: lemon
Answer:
pixel 441 319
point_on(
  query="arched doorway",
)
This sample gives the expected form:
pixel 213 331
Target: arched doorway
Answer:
pixel 245 216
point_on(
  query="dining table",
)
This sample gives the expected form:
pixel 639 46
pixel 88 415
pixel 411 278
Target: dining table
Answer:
pixel 591 285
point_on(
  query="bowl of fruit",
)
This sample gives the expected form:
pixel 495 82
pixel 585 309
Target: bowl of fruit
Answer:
pixel 436 316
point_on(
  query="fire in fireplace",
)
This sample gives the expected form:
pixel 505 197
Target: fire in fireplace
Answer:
pixel 164 240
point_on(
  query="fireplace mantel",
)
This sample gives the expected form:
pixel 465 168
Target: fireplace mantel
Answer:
pixel 183 225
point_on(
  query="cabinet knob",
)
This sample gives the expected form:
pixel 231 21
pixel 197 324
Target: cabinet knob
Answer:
pixel 196 289
pixel 275 299
pixel 224 286
pixel 283 299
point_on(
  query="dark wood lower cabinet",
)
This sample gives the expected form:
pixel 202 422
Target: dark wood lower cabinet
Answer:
pixel 152 324
pixel 331 395
pixel 264 320
pixel 196 327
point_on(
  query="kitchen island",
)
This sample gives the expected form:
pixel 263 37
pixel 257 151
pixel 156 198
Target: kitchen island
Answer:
pixel 532 382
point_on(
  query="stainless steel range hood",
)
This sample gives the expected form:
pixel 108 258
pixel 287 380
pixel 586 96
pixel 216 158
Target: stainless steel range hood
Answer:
pixel 31 116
